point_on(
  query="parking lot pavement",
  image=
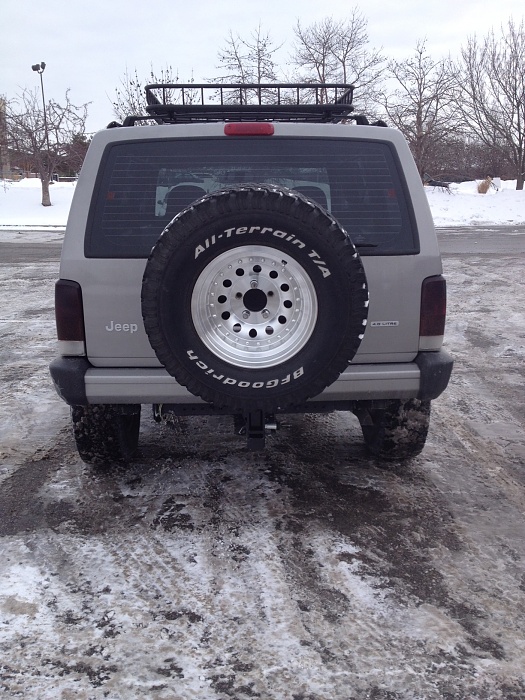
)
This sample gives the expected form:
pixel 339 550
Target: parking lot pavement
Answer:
pixel 305 571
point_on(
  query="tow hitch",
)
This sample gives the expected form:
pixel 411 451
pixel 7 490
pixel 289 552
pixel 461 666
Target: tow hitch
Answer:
pixel 254 425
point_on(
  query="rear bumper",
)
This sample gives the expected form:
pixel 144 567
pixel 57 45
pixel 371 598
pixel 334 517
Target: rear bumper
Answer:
pixel 77 382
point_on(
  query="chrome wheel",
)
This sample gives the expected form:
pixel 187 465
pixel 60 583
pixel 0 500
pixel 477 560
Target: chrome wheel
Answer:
pixel 254 307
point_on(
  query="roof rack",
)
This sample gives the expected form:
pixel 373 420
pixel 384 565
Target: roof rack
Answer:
pixel 176 103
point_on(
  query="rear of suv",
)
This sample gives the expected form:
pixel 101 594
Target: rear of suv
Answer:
pixel 250 250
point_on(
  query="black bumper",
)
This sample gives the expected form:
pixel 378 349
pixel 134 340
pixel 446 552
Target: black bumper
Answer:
pixel 68 374
pixel 435 369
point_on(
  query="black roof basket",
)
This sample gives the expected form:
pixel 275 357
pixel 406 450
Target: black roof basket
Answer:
pixel 176 103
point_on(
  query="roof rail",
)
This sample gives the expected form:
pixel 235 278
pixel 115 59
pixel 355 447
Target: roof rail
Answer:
pixel 177 103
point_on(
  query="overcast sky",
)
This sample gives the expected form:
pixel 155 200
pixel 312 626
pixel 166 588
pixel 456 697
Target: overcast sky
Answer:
pixel 89 45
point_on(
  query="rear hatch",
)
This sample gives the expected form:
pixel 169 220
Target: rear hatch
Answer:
pixel 364 176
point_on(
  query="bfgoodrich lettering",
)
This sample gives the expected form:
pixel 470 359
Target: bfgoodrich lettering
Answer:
pixel 224 379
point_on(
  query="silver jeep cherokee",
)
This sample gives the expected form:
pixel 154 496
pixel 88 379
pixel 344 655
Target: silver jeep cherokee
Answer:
pixel 249 250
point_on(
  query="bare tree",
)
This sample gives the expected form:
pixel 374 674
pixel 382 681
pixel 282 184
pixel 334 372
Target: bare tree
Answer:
pixel 248 61
pixel 313 51
pixel 490 84
pixel 337 51
pixel 5 165
pixel 43 142
pixel 421 105
pixel 130 97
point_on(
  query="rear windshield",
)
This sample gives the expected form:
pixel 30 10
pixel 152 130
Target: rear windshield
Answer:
pixel 142 185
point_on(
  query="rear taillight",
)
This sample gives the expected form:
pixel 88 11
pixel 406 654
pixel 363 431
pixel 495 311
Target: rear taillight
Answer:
pixel 433 312
pixel 69 315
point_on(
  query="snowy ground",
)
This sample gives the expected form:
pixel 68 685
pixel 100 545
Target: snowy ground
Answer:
pixel 306 572
pixel 464 206
pixel 21 208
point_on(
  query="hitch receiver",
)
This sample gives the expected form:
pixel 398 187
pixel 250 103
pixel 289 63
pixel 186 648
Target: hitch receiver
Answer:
pixel 255 430
pixel 254 424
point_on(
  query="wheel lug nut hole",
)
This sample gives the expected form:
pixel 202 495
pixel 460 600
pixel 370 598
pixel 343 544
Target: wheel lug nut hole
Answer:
pixel 282 319
pixel 253 333
pixel 285 287
pixel 288 304
pixel 227 283
pixel 237 328
pixel 269 330
pixel 225 315
pixel 274 274
pixel 239 272
pixel 222 299
pixel 257 268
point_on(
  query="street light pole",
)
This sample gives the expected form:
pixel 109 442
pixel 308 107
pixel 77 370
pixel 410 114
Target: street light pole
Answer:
pixel 40 68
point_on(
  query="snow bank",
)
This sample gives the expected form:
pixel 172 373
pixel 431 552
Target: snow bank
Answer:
pixel 464 206
pixel 20 205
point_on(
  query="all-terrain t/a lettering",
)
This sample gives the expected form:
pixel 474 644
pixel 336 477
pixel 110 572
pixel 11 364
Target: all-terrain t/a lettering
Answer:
pixel 228 233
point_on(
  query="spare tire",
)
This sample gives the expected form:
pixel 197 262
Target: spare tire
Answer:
pixel 254 298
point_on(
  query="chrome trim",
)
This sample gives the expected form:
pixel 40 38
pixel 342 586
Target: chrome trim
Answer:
pixel 71 348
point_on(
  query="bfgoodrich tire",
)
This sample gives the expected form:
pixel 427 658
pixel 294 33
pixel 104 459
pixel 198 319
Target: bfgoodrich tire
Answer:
pixel 255 298
pixel 105 433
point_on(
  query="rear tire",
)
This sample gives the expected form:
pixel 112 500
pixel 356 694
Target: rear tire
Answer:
pixel 106 433
pixel 397 432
